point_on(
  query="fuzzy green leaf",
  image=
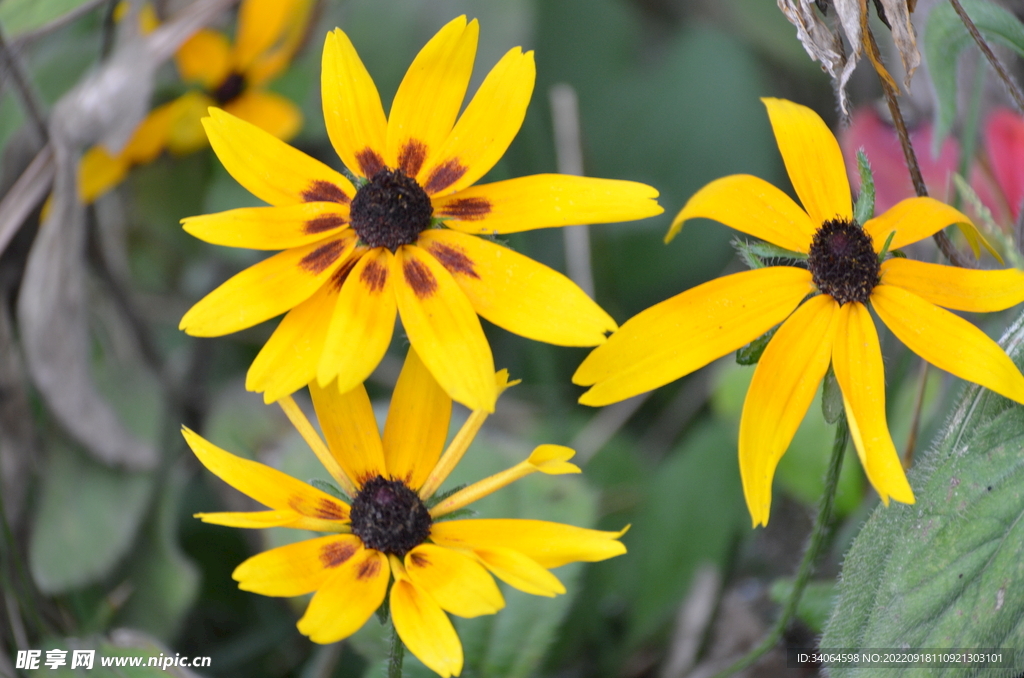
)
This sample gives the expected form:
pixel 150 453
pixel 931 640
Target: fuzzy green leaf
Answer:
pixel 945 39
pixel 946 571
pixel 865 207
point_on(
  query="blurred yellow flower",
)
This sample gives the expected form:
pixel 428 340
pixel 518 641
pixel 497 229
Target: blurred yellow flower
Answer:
pixel 229 75
pixel 823 309
pixel 402 240
pixel 392 530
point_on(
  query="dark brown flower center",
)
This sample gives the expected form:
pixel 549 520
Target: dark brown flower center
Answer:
pixel 843 262
pixel 389 517
pixel 230 88
pixel 390 210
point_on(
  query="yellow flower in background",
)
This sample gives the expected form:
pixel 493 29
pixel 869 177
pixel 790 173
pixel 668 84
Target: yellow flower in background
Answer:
pixel 391 530
pixel 823 309
pixel 229 75
pixel 404 238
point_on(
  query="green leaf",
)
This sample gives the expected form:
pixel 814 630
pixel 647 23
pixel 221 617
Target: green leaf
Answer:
pixel 815 603
pixel 24 16
pixel 692 514
pixel 86 521
pixel 945 38
pixel 865 207
pixel 165 582
pixel 945 572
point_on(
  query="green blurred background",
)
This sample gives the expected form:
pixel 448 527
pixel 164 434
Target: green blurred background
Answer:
pixel 668 93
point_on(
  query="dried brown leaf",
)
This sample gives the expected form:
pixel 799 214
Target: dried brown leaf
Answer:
pixel 52 313
pixel 823 43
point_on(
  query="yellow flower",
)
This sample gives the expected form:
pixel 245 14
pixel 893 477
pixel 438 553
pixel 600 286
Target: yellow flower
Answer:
pixel 391 529
pixel 843 275
pixel 232 76
pixel 403 239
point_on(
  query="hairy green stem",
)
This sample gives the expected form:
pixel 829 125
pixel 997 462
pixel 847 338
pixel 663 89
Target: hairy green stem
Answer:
pixel 814 544
pixel 396 654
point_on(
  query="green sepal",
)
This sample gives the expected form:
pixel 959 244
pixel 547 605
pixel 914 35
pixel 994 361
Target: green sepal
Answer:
pixel 865 207
pixel 330 489
pixel 759 254
pixel 885 247
pixel 831 397
pixel 438 498
pixel 751 353
pixel 457 513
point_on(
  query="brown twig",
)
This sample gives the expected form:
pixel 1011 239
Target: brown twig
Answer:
pixel 33 107
pixel 997 65
pixel 941 239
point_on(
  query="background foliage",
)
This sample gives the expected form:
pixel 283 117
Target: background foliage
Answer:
pixel 107 555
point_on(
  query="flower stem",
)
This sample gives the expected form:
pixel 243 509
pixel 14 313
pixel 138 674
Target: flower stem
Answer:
pixel 941 239
pixel 396 654
pixel 814 544
pixel 997 65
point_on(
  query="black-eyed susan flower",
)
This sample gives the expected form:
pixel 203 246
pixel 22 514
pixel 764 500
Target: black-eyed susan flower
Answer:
pixel 230 75
pixel 404 238
pixel 392 531
pixel 823 310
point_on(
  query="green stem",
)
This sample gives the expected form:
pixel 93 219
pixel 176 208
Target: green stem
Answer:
pixel 814 544
pixel 396 654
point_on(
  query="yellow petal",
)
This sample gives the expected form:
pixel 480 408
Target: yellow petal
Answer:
pixel 457 583
pixel 686 332
pixel 250 519
pixel 549 459
pixel 150 137
pixel 425 629
pixel 517 293
pixel 269 63
pixel 288 360
pixel 549 544
pixel 351 430
pixel 362 322
pixel 752 206
pixel 346 600
pixel 912 219
pixel 269 111
pixel 417 423
pixel 947 341
pixel 296 569
pixel 261 23
pixel 461 441
pixel 543 201
pixel 813 160
pixel 486 128
pixel 270 228
pixel 98 172
pixel 430 96
pixel 444 329
pixel 185 133
pixel 857 361
pixel 266 485
pixel 516 570
pixel 269 168
pixel 782 389
pixel 204 58
pixel 269 288
pixel 352 111
pixel 961 289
